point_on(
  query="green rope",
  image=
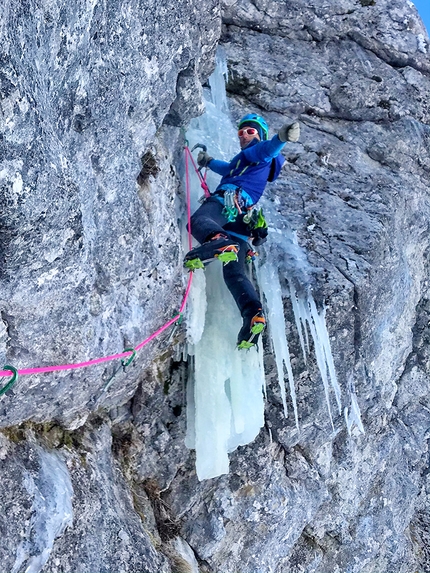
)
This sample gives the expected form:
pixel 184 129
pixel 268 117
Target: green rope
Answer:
pixel 12 381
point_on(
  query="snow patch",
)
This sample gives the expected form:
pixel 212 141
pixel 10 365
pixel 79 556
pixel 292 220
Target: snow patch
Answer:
pixel 422 44
pixel 17 184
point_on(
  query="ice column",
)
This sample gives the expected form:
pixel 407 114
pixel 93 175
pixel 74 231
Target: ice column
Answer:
pixel 225 403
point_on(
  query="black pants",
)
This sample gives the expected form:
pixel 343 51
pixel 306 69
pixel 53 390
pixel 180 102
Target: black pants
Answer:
pixel 206 222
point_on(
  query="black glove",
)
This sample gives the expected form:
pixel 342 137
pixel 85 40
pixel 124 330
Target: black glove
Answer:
pixel 203 159
pixel 259 235
pixel 289 132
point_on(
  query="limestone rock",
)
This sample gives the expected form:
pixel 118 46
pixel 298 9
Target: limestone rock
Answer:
pixel 92 96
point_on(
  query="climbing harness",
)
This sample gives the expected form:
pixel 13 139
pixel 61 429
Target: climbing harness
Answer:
pixel 128 354
pixel 234 199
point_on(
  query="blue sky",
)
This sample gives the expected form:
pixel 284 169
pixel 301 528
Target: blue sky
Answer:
pixel 423 7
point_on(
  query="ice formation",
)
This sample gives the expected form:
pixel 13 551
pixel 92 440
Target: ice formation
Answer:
pixel 225 405
pixel 225 396
pixel 287 259
pixel 52 492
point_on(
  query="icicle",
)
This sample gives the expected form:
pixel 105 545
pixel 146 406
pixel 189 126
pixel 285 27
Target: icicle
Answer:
pixel 300 320
pixel 324 342
pixel 307 318
pixel 268 279
pixel 353 417
pixel 190 437
pixel 320 357
pixel 196 308
pixel 228 392
pixel 217 82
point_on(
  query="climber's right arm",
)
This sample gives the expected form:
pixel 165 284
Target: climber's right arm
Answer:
pixel 220 167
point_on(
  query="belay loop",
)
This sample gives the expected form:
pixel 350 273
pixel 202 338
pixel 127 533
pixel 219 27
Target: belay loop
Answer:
pixel 12 381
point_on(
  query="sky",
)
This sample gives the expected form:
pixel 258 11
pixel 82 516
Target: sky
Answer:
pixel 423 7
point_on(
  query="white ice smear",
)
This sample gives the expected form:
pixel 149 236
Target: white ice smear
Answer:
pixel 51 491
pixel 353 414
pixel 225 400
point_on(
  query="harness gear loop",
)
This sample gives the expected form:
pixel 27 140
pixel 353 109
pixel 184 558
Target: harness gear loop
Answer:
pixel 230 210
pixel 129 360
pixel 250 256
pixel 12 381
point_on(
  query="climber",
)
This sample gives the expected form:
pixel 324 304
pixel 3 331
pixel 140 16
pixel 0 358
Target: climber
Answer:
pixel 226 222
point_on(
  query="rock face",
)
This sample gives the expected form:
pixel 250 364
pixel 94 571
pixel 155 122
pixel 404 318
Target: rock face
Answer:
pixel 89 254
pixel 92 96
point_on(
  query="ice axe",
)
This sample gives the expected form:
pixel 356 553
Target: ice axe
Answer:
pixel 199 172
pixel 203 148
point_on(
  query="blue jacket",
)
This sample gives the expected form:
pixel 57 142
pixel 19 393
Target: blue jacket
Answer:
pixel 252 167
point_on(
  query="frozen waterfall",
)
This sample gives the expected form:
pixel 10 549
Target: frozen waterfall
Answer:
pixel 225 397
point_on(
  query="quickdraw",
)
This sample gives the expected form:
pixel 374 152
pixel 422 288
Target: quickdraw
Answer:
pixel 12 381
pixel 231 206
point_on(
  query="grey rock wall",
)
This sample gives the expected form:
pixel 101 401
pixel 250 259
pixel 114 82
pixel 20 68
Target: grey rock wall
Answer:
pixel 90 250
pixel 92 97
pixel 90 258
pixel 356 190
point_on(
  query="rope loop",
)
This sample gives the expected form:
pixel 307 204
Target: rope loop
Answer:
pixel 12 381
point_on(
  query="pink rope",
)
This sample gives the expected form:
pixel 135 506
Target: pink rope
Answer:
pixel 202 179
pixel 95 361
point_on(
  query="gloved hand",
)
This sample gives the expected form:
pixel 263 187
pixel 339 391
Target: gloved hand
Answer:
pixel 259 235
pixel 203 159
pixel 289 132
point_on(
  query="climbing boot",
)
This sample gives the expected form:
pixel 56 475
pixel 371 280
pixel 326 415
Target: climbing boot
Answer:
pixel 253 326
pixel 219 247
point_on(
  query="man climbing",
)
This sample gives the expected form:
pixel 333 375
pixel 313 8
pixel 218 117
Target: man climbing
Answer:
pixel 226 221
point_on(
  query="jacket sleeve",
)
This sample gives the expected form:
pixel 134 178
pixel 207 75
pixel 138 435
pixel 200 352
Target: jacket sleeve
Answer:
pixel 220 167
pixel 264 151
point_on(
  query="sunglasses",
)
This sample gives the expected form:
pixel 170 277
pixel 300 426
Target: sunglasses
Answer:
pixel 248 131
